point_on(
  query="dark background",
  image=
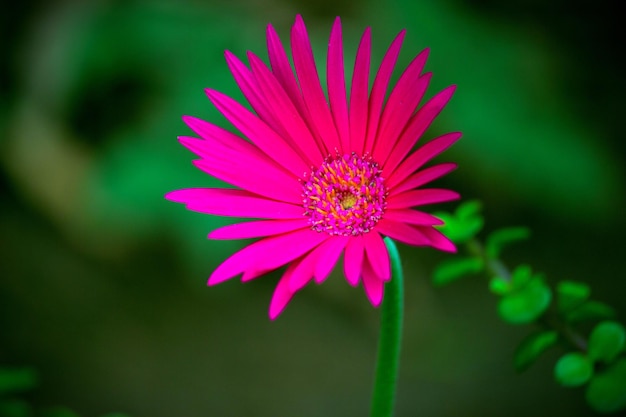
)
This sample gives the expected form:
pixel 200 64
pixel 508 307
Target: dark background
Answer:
pixel 102 281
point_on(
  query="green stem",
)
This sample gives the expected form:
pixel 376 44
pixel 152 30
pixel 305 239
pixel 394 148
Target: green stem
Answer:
pixel 390 338
pixel 550 320
pixel 494 266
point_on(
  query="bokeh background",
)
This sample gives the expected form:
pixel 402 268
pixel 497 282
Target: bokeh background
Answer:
pixel 102 281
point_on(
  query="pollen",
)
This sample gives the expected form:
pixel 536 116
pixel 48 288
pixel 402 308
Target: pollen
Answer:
pixel 348 201
pixel 345 196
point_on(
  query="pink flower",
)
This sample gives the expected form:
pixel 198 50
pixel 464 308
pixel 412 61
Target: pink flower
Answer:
pixel 325 176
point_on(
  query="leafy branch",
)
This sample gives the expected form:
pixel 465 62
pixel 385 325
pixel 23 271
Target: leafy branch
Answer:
pixel 557 312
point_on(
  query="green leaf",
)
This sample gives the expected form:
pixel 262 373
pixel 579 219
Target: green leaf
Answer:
pixel 521 276
pixel 17 380
pixel 606 341
pixel 116 415
pixel 464 224
pixel 15 408
pixel 446 228
pixel 590 310
pixel 467 229
pixel 571 294
pixel 498 239
pixel 468 210
pixel 456 268
pixel 499 285
pixel 573 369
pixel 532 347
pixel 527 304
pixel 606 392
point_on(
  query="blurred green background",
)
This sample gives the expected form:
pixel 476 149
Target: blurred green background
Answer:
pixel 102 281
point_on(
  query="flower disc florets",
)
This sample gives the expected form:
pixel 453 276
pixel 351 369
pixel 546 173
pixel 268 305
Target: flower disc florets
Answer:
pixel 345 196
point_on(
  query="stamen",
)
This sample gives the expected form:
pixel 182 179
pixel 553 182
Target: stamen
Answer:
pixel 345 195
pixel 348 201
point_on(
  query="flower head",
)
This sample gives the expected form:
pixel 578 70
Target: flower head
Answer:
pixel 326 177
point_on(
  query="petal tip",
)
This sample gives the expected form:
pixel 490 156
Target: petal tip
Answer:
pixel 376 301
pixel 230 57
pixel 354 282
pixel 273 314
pixel 190 121
pixel 447 247
pixel 175 196
pixel 215 278
pixel 211 93
pixel 277 305
pixel 336 24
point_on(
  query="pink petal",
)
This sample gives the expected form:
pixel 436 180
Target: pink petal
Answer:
pixel 251 273
pixel 212 134
pixel 282 293
pixel 418 158
pixel 251 90
pixel 319 263
pixel 303 273
pixel 373 285
pixel 403 101
pixel 200 147
pixel 379 90
pixel 421 197
pixel 258 228
pixel 400 107
pixel 416 127
pixel 353 260
pixel 234 203
pixel 286 247
pixel 268 254
pixel 328 256
pixel 337 86
pixel 358 93
pixel 424 177
pixel 252 174
pixel 402 232
pixel 314 98
pixel 377 255
pixel 258 132
pixel 412 217
pixel 282 70
pixel 285 113
pixel 227 152
pixel 438 240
